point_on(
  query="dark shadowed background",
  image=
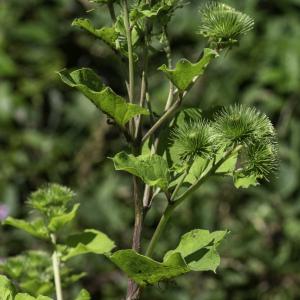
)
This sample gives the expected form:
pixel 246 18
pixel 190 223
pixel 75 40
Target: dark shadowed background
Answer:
pixel 49 133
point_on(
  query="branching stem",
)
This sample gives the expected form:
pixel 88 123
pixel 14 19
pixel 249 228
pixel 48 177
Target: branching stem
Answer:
pixel 168 114
pixel 180 199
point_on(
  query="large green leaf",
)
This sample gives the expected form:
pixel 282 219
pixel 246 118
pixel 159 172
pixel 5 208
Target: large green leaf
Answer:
pixel 36 227
pixel 152 169
pixel 90 241
pixel 6 289
pixel 197 251
pixel 89 83
pixel 144 270
pixel 198 248
pixel 185 71
pixel 108 35
pixel 58 222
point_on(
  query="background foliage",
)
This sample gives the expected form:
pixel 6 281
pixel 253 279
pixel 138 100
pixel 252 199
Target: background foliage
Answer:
pixel 51 133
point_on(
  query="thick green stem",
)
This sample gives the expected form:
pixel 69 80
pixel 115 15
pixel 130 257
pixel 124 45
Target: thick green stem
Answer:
pixel 133 290
pixel 159 229
pixel 56 270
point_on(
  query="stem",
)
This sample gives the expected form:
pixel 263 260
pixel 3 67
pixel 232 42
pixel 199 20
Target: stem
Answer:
pixel 159 229
pixel 162 119
pixel 179 184
pixel 213 169
pixel 130 51
pixel 111 9
pixel 136 240
pixel 167 50
pixel 144 86
pixel 174 204
pixel 130 59
pixel 56 270
pixel 168 113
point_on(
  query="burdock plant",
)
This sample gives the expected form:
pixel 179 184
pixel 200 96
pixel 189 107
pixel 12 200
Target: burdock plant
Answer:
pixel 171 152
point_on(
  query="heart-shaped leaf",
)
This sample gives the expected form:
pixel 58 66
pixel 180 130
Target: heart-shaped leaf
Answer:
pixel 152 169
pixel 198 248
pixel 144 270
pixel 90 241
pixel 89 83
pixel 185 71
pixel 197 251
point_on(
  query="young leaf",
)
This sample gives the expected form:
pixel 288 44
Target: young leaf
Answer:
pixel 36 228
pixel 152 169
pixel 57 222
pixel 144 270
pixel 244 181
pixel 199 166
pixel 108 35
pixel 185 71
pixel 90 241
pixel 198 249
pixel 89 83
pixel 83 295
pixel 6 289
pixel 229 166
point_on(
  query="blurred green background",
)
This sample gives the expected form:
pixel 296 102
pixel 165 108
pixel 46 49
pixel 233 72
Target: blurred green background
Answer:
pixel 49 133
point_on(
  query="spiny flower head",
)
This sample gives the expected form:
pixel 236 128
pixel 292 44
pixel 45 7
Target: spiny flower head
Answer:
pixel 239 125
pixel 192 139
pixel 260 160
pixel 51 199
pixel 223 25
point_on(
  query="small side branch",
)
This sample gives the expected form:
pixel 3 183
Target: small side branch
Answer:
pixel 168 114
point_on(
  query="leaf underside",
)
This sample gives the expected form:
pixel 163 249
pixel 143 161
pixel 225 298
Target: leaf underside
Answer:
pixel 108 35
pixel 89 83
